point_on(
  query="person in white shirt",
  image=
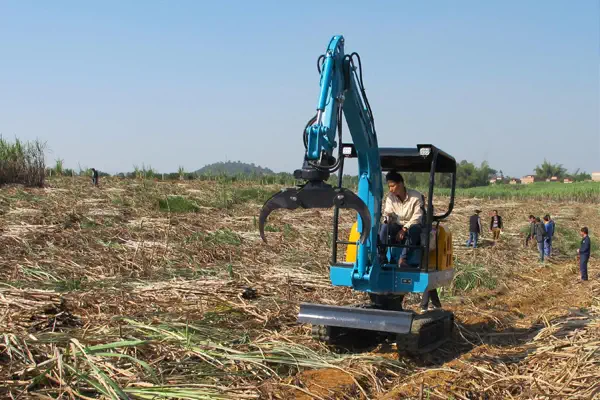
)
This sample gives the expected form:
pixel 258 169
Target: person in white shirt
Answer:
pixel 403 214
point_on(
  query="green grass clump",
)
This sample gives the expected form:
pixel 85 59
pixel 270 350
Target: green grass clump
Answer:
pixel 218 237
pixel 252 194
pixel 194 237
pixel 228 196
pixel 69 285
pixel 223 236
pixel 89 224
pixel 177 204
pixel 565 240
pixel 121 201
pixel 289 232
pixel 472 276
pixel 25 196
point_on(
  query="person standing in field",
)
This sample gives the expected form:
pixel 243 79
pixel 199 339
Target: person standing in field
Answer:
pixel 540 235
pixel 583 253
pixel 549 225
pixel 474 229
pixel 551 221
pixel 496 225
pixel 94 177
pixel 531 232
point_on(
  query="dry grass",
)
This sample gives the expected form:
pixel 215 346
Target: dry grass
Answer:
pixel 111 293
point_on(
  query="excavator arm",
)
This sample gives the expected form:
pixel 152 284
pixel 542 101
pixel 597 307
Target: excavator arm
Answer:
pixel 341 93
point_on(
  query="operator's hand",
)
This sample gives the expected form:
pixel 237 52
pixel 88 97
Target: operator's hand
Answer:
pixel 402 233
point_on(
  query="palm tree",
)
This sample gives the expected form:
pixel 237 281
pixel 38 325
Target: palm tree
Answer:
pixel 548 170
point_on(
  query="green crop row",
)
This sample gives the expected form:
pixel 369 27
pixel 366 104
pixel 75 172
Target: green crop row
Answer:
pixel 588 192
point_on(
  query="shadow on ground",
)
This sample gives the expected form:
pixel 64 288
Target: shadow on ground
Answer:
pixel 465 338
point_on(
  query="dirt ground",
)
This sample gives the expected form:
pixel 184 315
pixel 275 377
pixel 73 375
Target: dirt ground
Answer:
pixel 95 266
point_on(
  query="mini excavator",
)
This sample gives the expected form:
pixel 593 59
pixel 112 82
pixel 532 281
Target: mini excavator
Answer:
pixel 430 263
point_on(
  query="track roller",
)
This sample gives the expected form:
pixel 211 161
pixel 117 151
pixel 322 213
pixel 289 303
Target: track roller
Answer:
pixel 428 332
pixel 326 334
pixel 346 338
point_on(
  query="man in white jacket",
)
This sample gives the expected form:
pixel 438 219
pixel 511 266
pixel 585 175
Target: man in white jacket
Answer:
pixel 403 214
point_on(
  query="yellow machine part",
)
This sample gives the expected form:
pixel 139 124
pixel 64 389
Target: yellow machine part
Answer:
pixel 444 248
pixel 351 248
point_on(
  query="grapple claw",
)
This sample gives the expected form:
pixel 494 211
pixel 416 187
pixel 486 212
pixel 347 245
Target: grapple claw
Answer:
pixel 287 198
pixel 316 195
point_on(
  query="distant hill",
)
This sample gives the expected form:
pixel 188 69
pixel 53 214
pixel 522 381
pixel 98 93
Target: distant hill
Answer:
pixel 233 168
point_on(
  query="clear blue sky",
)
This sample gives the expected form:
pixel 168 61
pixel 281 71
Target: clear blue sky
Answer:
pixel 111 84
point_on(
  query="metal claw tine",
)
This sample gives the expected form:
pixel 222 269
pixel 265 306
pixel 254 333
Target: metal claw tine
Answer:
pixel 284 199
pixel 349 200
pixel 317 195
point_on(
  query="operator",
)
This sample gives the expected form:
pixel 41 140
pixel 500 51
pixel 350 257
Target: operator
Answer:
pixel 403 214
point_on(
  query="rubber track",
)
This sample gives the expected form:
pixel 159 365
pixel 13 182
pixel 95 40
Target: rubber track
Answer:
pixel 436 323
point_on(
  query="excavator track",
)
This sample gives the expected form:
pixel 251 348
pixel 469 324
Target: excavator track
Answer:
pixel 428 332
pixel 345 338
pixel 325 334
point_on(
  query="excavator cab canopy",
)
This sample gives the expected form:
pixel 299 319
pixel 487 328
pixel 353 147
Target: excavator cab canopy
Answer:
pixel 424 158
pixel 419 159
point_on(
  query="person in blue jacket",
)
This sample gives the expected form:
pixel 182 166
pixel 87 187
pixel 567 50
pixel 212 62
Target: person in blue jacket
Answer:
pixel 583 253
pixel 549 225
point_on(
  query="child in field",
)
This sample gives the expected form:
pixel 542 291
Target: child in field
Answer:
pixel 583 253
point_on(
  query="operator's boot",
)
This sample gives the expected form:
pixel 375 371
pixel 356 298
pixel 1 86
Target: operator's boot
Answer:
pixel 382 255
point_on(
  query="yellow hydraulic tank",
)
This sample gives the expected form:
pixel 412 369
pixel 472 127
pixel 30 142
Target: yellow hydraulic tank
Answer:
pixel 443 246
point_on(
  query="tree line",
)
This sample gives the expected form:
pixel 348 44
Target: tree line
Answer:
pixel 23 162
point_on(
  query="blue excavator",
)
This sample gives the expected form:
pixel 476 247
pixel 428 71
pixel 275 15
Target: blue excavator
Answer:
pixel 430 262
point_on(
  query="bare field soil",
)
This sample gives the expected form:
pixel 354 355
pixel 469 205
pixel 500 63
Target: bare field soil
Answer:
pixel 154 290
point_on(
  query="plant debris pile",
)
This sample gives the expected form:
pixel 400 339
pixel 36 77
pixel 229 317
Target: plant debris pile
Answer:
pixel 144 289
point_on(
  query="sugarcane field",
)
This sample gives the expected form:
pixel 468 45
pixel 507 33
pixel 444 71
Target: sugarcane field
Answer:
pixel 299 200
pixel 143 288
